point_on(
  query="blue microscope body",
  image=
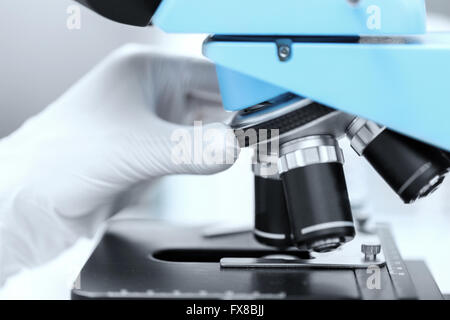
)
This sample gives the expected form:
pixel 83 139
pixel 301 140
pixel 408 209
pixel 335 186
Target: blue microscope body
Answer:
pixel 366 69
pixel 371 58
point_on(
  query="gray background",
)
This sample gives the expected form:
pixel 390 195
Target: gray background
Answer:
pixel 40 58
pixel 442 6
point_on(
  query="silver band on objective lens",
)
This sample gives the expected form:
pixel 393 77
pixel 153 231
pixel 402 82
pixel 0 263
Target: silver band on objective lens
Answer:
pixel 266 170
pixel 266 167
pixel 361 133
pixel 326 226
pixel 267 235
pixel 309 151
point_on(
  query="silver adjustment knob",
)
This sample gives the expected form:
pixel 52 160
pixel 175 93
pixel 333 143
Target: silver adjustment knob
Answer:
pixel 370 251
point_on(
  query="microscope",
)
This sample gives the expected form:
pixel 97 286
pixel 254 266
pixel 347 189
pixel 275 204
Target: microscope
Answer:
pixel 298 76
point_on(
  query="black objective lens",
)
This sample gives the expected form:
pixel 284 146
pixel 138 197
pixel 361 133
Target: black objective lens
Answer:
pixel 271 217
pixel 412 168
pixel 316 193
pixel 132 12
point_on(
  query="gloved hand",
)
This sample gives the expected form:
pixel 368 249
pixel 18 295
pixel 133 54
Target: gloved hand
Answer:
pixel 62 171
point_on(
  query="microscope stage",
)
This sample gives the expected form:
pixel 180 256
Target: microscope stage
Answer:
pixel 144 259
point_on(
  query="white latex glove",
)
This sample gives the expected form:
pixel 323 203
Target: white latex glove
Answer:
pixel 62 172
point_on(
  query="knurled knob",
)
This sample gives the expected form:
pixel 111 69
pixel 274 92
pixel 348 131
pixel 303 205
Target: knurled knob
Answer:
pixel 370 251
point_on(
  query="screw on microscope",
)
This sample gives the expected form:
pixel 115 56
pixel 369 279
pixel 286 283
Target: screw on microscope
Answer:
pixel 284 52
pixel 284 49
pixel 370 251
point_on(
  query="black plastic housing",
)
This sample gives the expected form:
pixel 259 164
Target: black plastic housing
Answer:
pixel 407 165
pixel 271 214
pixel 317 194
pixel 131 12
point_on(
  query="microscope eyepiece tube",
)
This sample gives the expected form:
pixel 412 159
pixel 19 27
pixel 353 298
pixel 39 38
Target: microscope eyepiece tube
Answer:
pixel 311 169
pixel 412 168
pixel 271 216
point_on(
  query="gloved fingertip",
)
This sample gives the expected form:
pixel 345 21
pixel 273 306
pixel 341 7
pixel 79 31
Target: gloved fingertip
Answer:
pixel 214 148
pixel 224 148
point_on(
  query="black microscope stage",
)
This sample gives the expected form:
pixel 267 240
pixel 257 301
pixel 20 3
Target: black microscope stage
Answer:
pixel 144 259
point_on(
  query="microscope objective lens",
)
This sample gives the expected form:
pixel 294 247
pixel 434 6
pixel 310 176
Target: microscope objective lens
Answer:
pixel 412 168
pixel 319 210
